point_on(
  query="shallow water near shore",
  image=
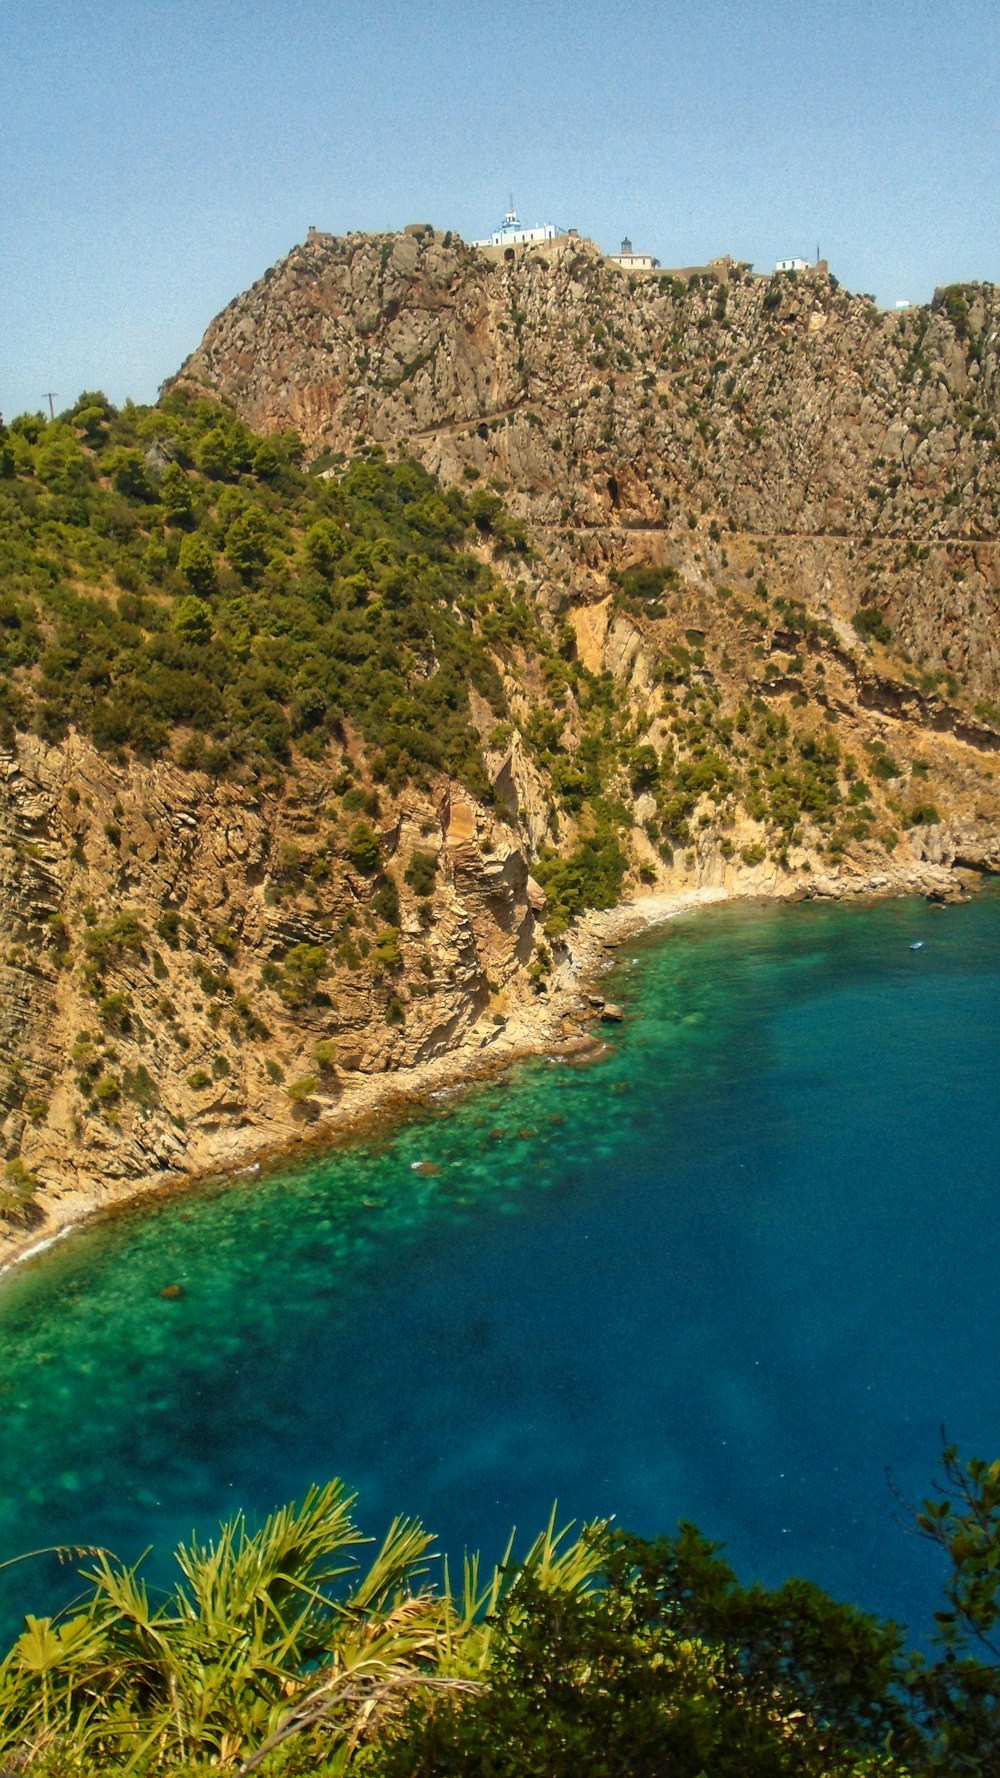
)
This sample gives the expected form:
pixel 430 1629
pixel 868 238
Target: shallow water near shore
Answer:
pixel 732 1272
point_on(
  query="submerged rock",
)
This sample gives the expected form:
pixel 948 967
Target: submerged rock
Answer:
pixel 586 1055
pixel 948 895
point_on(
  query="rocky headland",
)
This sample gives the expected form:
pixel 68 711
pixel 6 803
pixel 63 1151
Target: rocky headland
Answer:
pixel 748 530
pixel 713 418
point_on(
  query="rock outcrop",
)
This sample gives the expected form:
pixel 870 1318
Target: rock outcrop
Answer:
pixel 186 1041
pixel 849 452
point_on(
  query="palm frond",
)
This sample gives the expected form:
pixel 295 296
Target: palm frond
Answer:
pixel 572 1567
pixel 402 1556
pixel 363 1695
pixel 296 1549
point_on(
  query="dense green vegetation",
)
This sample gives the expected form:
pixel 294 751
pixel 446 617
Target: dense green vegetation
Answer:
pixel 173 583
pixel 281 1651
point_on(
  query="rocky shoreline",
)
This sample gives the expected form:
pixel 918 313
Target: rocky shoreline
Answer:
pixel 558 1020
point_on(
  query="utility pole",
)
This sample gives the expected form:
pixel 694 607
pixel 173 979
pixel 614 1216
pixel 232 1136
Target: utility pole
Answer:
pixel 50 395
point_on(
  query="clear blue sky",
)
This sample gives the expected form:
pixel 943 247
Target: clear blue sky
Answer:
pixel 159 154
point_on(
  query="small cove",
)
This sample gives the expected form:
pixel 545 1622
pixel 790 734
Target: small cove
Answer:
pixel 732 1273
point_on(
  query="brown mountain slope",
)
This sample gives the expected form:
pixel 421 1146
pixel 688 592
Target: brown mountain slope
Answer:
pixel 209 975
pixel 852 453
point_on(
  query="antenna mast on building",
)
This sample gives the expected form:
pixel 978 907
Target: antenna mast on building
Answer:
pixel 50 395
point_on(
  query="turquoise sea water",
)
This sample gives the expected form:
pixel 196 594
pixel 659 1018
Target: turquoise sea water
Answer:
pixel 733 1272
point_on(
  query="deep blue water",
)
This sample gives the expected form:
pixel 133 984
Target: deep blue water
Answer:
pixel 734 1273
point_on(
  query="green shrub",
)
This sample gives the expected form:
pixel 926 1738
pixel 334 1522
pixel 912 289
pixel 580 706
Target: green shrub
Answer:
pixel 196 564
pixel 192 620
pixel 114 1012
pixel 421 872
pixel 18 1190
pixel 125 932
pixel 60 465
pixel 211 981
pixel 386 954
pixel 323 547
pixel 139 1086
pixel 385 901
pixel 871 625
pixel 168 927
pixel 128 474
pixel 175 496
pixel 590 876
pixel 644 767
pixel 363 848
pixel 300 973
pixel 884 766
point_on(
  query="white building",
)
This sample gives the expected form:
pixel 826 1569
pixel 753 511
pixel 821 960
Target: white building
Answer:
pixel 792 265
pixel 633 262
pixel 512 234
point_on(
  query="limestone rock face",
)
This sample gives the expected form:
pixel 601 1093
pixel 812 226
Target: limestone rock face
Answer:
pixel 147 1023
pixel 852 452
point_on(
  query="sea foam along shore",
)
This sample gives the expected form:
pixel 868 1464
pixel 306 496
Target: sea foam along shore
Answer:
pixel 538 1022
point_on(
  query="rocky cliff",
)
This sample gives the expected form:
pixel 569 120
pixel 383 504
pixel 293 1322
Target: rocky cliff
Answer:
pixel 190 977
pixel 851 453
pixel 709 608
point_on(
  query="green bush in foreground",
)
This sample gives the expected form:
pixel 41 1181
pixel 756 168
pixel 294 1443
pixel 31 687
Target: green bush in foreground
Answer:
pixel 279 1651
